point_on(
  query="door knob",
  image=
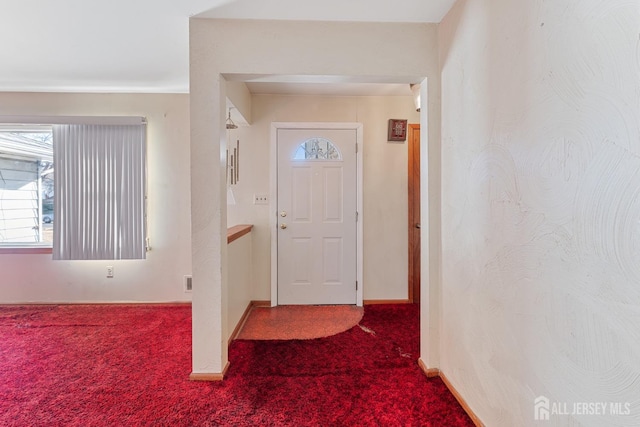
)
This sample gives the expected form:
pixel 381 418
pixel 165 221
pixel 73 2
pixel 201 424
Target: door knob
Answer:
pixel 418 225
pixel 283 214
pixel 283 226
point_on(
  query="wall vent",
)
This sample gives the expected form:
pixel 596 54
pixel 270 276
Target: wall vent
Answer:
pixel 187 284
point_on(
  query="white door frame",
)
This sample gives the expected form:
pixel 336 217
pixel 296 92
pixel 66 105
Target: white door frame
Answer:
pixel 273 201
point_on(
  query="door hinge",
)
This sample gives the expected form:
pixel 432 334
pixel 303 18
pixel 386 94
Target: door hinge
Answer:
pixel 356 285
pixel 356 147
pixel 357 216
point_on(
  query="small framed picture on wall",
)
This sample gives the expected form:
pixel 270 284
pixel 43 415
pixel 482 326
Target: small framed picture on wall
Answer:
pixel 397 130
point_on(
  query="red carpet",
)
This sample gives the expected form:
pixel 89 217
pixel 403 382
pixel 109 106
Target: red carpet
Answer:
pixel 129 366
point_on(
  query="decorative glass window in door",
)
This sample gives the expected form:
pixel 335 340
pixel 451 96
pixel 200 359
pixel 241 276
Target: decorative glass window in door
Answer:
pixel 317 149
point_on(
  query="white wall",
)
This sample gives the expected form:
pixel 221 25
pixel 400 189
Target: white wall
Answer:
pixel 541 206
pixel 239 292
pixel 361 51
pixel 384 187
pixel 239 96
pixel 159 278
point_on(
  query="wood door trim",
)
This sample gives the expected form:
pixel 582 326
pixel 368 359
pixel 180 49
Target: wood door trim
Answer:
pixel 413 187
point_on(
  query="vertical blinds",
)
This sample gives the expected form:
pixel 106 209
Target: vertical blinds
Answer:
pixel 99 182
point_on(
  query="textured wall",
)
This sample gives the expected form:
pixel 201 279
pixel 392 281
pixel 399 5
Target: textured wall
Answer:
pixel 541 206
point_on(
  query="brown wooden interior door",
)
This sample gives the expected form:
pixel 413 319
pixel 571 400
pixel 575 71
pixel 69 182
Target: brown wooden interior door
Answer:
pixel 414 212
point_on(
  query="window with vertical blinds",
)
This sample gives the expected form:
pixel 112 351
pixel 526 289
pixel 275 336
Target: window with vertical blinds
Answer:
pixel 99 180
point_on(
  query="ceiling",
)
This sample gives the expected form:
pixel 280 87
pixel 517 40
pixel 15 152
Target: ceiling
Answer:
pixel 329 89
pixel 142 45
pixel 334 10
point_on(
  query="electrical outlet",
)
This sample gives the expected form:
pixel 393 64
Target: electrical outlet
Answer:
pixel 110 271
pixel 260 199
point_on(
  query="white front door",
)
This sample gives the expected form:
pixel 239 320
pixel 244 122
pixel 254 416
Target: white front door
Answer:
pixel 317 203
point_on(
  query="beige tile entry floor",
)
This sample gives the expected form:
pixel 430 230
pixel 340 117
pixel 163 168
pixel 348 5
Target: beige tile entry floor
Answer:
pixel 289 322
